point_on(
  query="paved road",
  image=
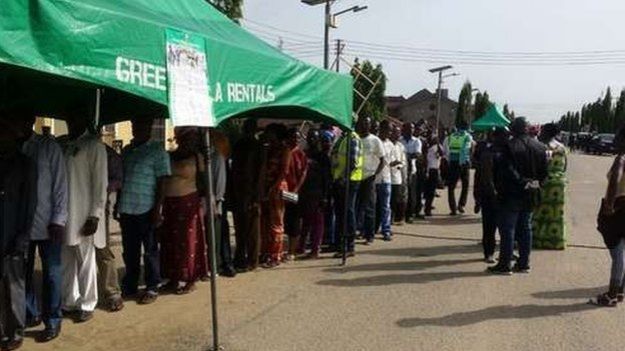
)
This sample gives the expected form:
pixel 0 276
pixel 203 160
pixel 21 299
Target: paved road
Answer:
pixel 426 290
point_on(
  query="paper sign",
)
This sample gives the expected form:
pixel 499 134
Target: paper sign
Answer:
pixel 187 77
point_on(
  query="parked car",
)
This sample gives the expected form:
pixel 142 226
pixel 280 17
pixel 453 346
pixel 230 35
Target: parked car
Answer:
pixel 602 144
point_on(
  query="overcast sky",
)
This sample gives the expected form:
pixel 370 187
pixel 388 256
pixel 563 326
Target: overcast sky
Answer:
pixel 515 29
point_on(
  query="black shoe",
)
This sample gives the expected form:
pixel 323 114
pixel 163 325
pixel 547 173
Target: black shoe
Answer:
pixel 490 260
pixel 387 238
pixel 453 213
pixel 420 217
pixel 519 269
pixel 49 334
pixel 84 316
pixel 228 272
pixel 499 269
pixel 461 210
pixel 33 322
pixel 12 344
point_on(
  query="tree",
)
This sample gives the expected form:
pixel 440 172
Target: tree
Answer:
pixel 508 112
pixel 482 104
pixel 231 8
pixel 375 106
pixel 464 103
pixel 619 111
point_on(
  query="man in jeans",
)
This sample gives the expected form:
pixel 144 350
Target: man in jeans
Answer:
pixel 383 183
pixel 413 148
pixel 48 231
pixel 458 152
pixel 340 164
pixel 140 209
pixel 519 169
pixel 373 151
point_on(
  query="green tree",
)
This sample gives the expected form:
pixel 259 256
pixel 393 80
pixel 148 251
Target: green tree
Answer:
pixel 482 104
pixel 508 112
pixel 464 103
pixel 231 8
pixel 375 106
pixel 619 111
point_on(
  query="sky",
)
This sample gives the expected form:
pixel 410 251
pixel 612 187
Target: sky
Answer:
pixel 402 34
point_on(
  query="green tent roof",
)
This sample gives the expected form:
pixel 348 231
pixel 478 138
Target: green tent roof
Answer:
pixel 492 118
pixel 56 51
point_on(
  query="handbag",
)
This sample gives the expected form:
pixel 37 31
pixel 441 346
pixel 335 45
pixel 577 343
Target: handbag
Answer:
pixel 290 197
pixel 611 225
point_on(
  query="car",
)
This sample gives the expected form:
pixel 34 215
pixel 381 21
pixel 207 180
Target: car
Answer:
pixel 602 144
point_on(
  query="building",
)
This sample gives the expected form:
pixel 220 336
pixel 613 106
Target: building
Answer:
pixel 422 106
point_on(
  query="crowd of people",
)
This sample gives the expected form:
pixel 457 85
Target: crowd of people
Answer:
pixel 319 193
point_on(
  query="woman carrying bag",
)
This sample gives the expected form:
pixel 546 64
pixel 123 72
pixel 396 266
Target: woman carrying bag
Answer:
pixel 611 221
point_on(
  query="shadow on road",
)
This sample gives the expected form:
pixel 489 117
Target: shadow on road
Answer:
pixel 393 279
pixel 495 313
pixel 583 293
pixel 448 220
pixel 401 266
pixel 437 237
pixel 426 251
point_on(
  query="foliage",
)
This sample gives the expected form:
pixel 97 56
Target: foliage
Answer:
pixel 482 104
pixel 463 112
pixel 231 8
pixel 375 106
pixel 601 116
pixel 508 112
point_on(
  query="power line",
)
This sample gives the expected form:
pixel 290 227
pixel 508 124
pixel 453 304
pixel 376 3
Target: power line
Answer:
pixel 406 53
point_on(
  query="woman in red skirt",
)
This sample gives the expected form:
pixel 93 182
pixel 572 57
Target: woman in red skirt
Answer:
pixel 183 244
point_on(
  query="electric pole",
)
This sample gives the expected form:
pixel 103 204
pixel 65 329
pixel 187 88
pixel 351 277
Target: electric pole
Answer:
pixel 339 50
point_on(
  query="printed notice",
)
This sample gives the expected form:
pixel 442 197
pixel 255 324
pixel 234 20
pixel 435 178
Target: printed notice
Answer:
pixel 187 77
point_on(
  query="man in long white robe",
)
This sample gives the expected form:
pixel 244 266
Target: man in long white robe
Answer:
pixel 87 175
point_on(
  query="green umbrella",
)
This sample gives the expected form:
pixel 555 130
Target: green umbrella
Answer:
pixel 491 119
pixel 120 45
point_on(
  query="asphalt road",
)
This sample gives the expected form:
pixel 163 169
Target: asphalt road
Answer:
pixel 426 290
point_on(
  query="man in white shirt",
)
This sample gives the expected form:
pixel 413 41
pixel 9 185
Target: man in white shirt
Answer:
pixel 87 175
pixel 413 148
pixel 399 192
pixel 434 154
pixel 383 183
pixel 373 151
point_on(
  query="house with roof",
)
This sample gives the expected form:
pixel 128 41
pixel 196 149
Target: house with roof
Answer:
pixel 422 106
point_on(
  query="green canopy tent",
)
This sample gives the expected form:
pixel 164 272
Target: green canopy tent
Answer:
pixel 120 45
pixel 55 53
pixel 491 119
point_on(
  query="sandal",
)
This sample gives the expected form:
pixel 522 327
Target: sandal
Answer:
pixel 116 304
pixel 604 300
pixel 148 298
pixel 184 290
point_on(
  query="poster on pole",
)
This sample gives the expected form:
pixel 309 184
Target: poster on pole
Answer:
pixel 187 75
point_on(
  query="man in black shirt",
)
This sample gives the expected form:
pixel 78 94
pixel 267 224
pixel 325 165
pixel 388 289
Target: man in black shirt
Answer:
pixel 18 191
pixel 519 170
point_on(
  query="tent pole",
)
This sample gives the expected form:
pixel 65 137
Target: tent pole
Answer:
pixel 346 203
pixel 210 230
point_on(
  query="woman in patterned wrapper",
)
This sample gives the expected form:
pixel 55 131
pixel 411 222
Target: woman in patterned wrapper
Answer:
pixel 549 223
pixel 183 244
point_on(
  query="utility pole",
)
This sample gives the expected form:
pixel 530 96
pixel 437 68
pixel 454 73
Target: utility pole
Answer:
pixel 339 50
pixel 326 40
pixel 440 71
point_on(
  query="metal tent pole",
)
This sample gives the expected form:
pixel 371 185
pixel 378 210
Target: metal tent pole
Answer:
pixel 346 202
pixel 210 229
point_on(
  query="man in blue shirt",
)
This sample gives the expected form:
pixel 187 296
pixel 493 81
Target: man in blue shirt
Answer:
pixel 139 206
pixel 48 230
pixel 459 146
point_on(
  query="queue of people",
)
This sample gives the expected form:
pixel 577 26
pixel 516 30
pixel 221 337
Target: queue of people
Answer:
pixel 277 184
